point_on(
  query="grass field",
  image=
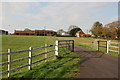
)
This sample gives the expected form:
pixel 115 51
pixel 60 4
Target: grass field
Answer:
pixel 88 43
pixel 65 67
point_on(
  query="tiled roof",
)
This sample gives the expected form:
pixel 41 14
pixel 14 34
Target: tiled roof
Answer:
pixel 24 31
pixel 33 31
pixel 45 30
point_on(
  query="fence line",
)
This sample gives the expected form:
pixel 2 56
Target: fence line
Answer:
pixel 108 46
pixel 30 56
pixel 30 50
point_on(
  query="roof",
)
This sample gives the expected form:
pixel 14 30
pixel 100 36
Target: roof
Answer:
pixel 4 30
pixel 24 31
pixel 32 31
pixel 46 30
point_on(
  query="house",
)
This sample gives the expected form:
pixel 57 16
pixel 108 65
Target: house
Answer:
pixel 3 32
pixel 35 32
pixel 62 32
pixel 82 34
pixel 79 33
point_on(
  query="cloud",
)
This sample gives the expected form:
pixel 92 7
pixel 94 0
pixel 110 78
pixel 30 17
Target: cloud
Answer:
pixel 60 0
pixel 1 14
pixel 53 15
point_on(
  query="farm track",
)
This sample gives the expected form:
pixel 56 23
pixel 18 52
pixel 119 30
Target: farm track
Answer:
pixel 96 64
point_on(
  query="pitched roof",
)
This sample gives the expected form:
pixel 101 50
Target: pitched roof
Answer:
pixel 46 30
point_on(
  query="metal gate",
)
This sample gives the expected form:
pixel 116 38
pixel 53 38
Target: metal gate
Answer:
pixel 65 46
pixel 103 44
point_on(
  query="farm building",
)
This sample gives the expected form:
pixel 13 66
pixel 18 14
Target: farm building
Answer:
pixel 82 34
pixel 35 32
pixel 3 32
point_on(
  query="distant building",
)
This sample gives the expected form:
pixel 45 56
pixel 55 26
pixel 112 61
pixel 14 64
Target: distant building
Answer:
pixel 3 32
pixel 62 32
pixel 82 34
pixel 45 32
pixel 16 32
pixel 65 34
pixel 35 32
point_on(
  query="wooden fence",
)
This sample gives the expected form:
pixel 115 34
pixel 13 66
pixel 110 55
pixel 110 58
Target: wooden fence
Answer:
pixel 30 50
pixel 108 45
pixel 30 62
pixel 114 45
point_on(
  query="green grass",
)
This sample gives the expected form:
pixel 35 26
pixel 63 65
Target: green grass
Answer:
pixel 23 42
pixel 65 67
pixel 88 43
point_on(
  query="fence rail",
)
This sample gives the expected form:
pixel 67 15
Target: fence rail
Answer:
pixel 114 42
pixel 114 46
pixel 30 50
pixel 27 50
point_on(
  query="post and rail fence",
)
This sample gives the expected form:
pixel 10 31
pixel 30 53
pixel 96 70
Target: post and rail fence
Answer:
pixel 30 50
pixel 30 56
pixel 108 45
pixel 114 46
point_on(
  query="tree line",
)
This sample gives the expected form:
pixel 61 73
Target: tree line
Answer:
pixel 111 30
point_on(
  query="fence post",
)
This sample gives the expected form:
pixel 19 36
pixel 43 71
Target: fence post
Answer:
pixel 46 54
pixel 56 47
pixel 108 42
pixel 98 45
pixel 30 59
pixel 69 46
pixel 73 46
pixel 118 48
pixel 9 62
pixel 94 44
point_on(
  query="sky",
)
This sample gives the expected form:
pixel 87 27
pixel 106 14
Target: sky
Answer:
pixel 56 15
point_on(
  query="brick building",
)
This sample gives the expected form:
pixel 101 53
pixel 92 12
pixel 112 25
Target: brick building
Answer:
pixel 35 32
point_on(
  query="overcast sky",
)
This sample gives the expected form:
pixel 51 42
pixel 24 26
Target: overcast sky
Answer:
pixel 56 15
